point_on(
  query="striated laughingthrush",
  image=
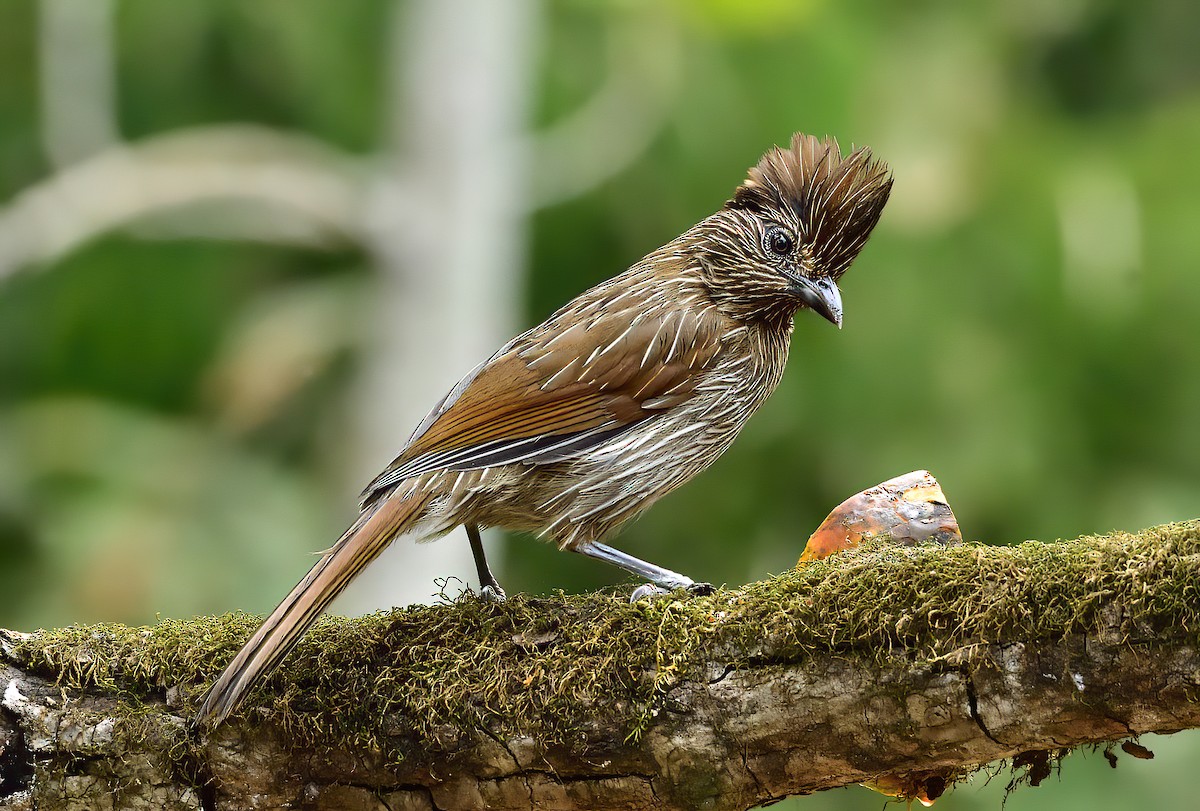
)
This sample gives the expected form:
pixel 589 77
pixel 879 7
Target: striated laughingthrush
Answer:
pixel 627 392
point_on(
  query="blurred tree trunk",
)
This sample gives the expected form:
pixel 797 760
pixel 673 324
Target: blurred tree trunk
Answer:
pixel 448 223
pixel 462 173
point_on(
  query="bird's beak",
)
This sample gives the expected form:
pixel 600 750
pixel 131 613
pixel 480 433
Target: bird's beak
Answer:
pixel 821 296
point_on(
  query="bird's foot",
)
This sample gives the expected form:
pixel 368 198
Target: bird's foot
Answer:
pixel 492 594
pixel 648 590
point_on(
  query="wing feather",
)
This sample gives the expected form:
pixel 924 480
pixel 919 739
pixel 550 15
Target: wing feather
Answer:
pixel 550 394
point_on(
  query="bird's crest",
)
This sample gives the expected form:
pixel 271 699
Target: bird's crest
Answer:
pixel 836 200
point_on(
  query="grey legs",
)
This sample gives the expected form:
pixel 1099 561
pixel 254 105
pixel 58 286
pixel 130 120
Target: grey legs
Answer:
pixel 489 587
pixel 665 578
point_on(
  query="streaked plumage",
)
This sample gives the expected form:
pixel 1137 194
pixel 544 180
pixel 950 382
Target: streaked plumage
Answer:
pixel 625 393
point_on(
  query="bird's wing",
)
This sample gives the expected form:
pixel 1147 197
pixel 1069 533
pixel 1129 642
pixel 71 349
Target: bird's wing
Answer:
pixel 556 392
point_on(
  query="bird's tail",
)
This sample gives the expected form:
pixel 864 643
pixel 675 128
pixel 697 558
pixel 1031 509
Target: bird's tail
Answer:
pixel 361 544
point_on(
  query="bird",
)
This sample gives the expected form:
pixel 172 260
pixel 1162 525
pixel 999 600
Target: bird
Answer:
pixel 620 396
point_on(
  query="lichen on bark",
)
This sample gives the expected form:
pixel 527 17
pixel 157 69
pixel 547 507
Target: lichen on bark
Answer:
pixel 936 651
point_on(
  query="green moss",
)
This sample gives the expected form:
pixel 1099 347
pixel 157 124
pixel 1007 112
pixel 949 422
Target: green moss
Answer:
pixel 546 665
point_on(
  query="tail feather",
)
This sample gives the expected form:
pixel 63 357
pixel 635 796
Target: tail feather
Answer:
pixel 280 632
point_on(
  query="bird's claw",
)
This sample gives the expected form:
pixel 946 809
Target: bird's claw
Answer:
pixel 648 590
pixel 492 594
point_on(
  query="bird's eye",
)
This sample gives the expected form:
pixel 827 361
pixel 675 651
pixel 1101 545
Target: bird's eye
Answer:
pixel 779 241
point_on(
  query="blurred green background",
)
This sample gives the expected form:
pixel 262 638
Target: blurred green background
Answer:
pixel 244 246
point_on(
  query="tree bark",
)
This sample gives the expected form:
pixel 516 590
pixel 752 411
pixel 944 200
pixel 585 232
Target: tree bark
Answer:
pixel 923 663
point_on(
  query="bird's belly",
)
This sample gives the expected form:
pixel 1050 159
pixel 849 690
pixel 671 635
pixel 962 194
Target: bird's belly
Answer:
pixel 586 497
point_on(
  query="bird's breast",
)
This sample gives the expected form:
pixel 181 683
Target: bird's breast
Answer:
pixel 587 496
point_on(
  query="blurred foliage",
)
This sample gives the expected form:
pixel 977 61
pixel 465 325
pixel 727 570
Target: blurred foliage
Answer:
pixel 1023 322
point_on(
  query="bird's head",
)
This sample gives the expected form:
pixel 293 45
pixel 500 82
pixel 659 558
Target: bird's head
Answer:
pixel 792 229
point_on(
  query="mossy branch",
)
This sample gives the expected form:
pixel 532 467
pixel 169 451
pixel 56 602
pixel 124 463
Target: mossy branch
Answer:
pixel 925 662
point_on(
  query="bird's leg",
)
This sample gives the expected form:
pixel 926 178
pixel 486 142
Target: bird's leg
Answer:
pixel 489 587
pixel 665 578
